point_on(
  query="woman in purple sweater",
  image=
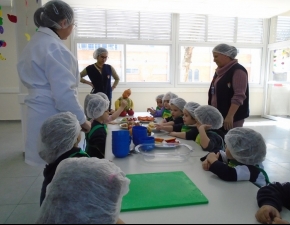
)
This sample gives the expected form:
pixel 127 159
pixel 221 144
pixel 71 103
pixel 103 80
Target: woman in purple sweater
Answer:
pixel 229 89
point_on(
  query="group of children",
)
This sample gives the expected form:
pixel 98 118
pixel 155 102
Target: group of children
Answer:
pixel 235 156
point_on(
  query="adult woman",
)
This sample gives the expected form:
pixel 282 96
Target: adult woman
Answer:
pixel 229 89
pixel 50 72
pixel 100 74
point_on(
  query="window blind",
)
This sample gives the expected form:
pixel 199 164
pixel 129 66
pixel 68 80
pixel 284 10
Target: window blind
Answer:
pixel 283 28
pixel 203 28
pixel 118 24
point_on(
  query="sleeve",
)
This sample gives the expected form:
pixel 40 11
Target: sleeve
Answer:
pixel 115 76
pixel 63 77
pixel 275 194
pixel 192 134
pixel 223 171
pixel 214 142
pixel 158 113
pixel 240 82
pixel 84 73
pixel 177 127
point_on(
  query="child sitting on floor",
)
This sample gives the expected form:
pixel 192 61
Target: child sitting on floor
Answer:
pixel 84 191
pixel 187 130
pixel 242 160
pixel 60 135
pixel 157 112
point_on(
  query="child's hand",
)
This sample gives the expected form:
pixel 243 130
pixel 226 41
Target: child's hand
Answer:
pixel 158 126
pixel 278 220
pixel 204 127
pixel 266 214
pixel 124 103
pixel 152 111
pixel 212 157
pixel 173 134
pixel 205 165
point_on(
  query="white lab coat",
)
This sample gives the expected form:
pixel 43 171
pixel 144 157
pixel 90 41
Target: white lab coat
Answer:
pixel 50 72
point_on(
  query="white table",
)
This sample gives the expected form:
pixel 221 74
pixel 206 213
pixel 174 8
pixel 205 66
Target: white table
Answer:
pixel 229 202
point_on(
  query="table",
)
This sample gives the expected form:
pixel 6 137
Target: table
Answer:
pixel 229 202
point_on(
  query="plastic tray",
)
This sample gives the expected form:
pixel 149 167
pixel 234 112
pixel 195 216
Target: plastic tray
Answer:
pixel 165 152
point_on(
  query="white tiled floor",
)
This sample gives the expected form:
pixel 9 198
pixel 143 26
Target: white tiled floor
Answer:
pixel 20 183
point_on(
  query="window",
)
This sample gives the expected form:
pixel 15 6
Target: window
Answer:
pixel 283 28
pixel 198 66
pixel 147 47
pixel 198 34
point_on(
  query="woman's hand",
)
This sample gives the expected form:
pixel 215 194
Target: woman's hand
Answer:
pixel 266 214
pixel 228 122
pixel 86 126
pixel 113 88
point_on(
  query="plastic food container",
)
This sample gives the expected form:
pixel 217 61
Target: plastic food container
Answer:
pixel 165 152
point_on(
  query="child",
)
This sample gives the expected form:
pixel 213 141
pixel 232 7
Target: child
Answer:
pixel 187 130
pixel 84 191
pixel 60 135
pixel 158 107
pixel 242 160
pixel 116 113
pixel 130 105
pixel 270 199
pixel 208 121
pixel 176 108
pixel 97 109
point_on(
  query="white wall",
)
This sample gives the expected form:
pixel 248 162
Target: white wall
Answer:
pixel 142 97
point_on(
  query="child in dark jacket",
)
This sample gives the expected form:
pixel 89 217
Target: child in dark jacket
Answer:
pixel 242 159
pixel 97 109
pixel 60 135
pixel 270 199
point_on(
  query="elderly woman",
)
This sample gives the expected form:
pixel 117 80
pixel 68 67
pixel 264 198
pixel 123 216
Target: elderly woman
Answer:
pixel 100 74
pixel 229 89
pixel 49 71
pixel 84 191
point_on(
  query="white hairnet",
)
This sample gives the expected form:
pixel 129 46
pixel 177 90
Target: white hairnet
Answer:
pixel 87 99
pixel 246 145
pixel 98 52
pixel 84 191
pixel 159 96
pixel 169 95
pixel 103 95
pixel 178 102
pixel 97 106
pixel 190 107
pixel 58 134
pixel 207 114
pixel 227 50
pixel 52 13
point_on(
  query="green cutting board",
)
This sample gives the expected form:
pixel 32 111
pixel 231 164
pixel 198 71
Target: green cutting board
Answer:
pixel 161 190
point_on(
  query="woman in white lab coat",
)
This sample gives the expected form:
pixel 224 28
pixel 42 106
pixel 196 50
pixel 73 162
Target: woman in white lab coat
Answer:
pixel 50 72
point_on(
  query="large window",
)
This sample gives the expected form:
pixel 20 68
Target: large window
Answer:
pixel 197 64
pixel 160 47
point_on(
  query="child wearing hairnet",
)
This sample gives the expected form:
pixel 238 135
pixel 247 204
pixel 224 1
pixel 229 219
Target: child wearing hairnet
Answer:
pixel 187 130
pixel 242 159
pixel 271 199
pixel 97 109
pixel 157 111
pixel 60 135
pixel 208 121
pixel 84 191
pixel 111 117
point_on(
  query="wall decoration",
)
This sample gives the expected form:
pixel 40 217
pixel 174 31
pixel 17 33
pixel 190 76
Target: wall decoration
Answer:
pixel 12 18
pixel 1 57
pixel 2 43
pixel 1 19
pixel 1 30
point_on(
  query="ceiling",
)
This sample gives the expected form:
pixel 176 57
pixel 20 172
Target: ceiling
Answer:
pixel 227 8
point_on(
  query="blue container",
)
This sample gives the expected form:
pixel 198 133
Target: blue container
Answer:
pixel 138 132
pixel 121 141
pixel 147 143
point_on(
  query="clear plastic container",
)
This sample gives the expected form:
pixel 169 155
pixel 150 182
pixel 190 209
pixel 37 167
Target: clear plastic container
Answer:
pixel 165 152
